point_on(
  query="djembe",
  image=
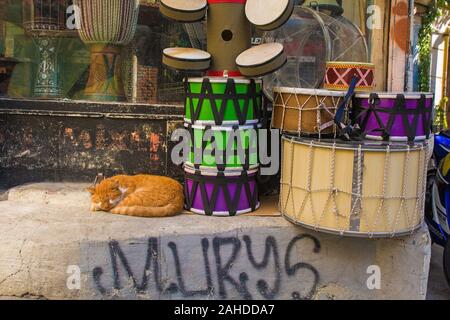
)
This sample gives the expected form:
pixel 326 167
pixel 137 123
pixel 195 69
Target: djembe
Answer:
pixel 45 21
pixel 106 26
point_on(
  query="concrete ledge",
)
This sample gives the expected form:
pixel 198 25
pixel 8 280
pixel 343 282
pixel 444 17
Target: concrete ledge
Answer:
pixel 59 251
pixel 65 194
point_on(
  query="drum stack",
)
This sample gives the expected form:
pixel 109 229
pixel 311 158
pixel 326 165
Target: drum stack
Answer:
pixel 353 164
pixel 224 109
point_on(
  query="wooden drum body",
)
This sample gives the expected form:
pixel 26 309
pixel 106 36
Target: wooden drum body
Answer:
pixel 366 190
pixel 107 26
pixel 306 112
pixel 223 101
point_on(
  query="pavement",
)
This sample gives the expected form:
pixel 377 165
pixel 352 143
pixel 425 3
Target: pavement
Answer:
pixel 438 288
pixel 46 227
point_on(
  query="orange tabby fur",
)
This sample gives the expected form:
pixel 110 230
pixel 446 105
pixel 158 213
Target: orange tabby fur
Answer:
pixel 141 196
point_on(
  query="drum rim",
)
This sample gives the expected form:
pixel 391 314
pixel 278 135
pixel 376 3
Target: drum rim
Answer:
pixel 251 122
pixel 353 234
pixel 240 80
pixel 396 138
pixel 185 11
pixel 261 64
pixel 186 59
pixel 358 64
pixel 214 172
pixel 366 145
pixel 317 92
pixel 393 95
pixel 223 128
pixel 225 214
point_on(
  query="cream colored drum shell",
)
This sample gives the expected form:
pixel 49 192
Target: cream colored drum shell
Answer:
pixel 391 182
pixel 298 110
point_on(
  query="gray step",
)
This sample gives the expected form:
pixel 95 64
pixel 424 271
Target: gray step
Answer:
pixel 42 241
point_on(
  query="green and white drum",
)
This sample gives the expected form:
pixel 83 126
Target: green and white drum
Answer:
pixel 223 101
pixel 223 148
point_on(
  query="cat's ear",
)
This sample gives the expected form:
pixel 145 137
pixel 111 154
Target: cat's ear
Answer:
pixel 91 190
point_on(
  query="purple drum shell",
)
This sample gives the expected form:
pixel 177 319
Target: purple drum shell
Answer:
pixel 398 131
pixel 220 206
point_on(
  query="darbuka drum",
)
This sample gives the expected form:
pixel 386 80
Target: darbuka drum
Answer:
pixel 339 75
pixel 367 190
pixel 223 101
pixel 216 193
pixel 106 26
pixel 45 21
pixel 395 117
pixel 224 148
pixel 307 111
pixel 261 60
pixel 184 10
pixel 268 14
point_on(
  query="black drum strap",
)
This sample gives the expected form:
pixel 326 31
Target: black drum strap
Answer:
pixel 208 203
pixel 399 105
pixel 230 94
pixel 251 196
pixel 427 115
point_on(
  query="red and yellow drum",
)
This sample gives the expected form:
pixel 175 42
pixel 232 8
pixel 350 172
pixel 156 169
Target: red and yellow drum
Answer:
pixel 339 75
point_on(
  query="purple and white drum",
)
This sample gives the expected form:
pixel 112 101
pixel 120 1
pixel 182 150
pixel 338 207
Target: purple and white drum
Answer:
pixel 394 116
pixel 215 193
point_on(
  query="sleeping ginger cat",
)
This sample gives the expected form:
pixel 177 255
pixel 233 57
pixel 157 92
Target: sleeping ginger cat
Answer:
pixel 140 196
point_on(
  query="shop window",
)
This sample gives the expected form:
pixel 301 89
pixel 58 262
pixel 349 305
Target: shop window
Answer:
pixel 43 56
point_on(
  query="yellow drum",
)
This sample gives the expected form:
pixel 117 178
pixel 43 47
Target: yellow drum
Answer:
pixel 354 189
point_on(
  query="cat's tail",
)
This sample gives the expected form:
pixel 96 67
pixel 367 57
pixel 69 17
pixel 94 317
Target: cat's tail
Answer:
pixel 169 210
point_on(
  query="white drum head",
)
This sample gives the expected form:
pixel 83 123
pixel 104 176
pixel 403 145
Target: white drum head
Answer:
pixel 185 5
pixel 186 59
pixel 186 11
pixel 268 14
pixel 261 60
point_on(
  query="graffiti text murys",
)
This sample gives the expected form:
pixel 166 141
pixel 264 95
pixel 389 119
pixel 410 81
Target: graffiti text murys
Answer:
pixel 216 265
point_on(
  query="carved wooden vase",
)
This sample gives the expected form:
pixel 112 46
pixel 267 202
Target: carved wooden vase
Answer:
pixel 106 26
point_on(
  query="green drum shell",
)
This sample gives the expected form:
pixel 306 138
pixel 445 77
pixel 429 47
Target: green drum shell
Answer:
pixel 245 93
pixel 222 137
